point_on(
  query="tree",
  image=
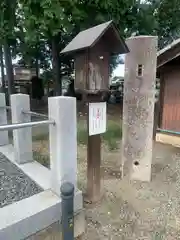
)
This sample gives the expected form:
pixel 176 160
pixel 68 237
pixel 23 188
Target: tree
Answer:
pixel 7 26
pixel 48 18
pixel 34 55
pixel 59 22
pixel 167 15
pixel 2 89
pixel 48 25
pixel 157 17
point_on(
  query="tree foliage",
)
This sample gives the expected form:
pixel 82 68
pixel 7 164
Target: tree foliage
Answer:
pixel 7 19
pixel 7 37
pixel 36 31
pixel 167 15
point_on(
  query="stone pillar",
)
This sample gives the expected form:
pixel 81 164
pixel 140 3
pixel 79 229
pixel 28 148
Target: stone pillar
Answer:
pixel 4 140
pixel 63 141
pixel 22 138
pixel 138 107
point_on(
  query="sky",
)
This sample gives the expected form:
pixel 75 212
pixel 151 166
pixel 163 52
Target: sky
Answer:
pixel 119 71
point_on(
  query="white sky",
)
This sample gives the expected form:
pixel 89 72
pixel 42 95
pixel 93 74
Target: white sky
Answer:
pixel 119 71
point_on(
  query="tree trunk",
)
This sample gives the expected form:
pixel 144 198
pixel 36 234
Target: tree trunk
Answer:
pixel 37 67
pixel 37 63
pixel 2 89
pixel 56 66
pixel 9 68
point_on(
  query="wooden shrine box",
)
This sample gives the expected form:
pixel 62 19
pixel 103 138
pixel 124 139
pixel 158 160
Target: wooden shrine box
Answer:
pixel 91 50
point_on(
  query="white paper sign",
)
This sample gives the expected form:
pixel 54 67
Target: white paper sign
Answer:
pixel 97 118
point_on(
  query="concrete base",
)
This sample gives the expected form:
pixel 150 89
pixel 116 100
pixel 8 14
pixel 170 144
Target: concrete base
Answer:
pixel 54 231
pixel 31 215
pixel 168 139
pixel 40 174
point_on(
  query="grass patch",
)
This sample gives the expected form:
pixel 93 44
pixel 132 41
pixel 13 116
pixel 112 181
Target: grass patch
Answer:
pixel 42 159
pixel 111 137
pixel 82 132
pixel 40 137
pixel 113 134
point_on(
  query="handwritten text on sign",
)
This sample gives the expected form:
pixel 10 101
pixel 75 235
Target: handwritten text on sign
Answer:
pixel 97 118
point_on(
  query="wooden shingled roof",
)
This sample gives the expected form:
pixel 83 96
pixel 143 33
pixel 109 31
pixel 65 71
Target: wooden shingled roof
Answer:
pixel 168 53
pixel 88 38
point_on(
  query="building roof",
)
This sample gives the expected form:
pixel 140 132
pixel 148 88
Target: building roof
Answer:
pixel 169 46
pixel 88 38
pixel 168 53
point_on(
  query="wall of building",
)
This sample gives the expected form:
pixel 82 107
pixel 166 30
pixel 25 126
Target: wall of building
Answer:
pixel 171 98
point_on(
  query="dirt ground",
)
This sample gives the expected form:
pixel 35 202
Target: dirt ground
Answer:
pixel 131 210
pixel 134 210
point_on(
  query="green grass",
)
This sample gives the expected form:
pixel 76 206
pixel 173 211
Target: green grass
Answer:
pixel 41 137
pixel 82 133
pixel 42 159
pixel 111 137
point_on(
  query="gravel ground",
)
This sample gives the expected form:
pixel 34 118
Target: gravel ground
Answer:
pixel 136 210
pixel 14 184
pixel 131 210
pixel 128 210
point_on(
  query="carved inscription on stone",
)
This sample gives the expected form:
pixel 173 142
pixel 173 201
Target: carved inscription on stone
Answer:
pixel 138 119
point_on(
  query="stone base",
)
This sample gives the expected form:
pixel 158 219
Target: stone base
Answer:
pixel 39 212
pixel 54 232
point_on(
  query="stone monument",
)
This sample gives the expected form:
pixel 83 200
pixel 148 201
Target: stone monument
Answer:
pixel 138 107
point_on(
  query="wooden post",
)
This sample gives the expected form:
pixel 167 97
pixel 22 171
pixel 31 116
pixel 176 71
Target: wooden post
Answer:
pixel 156 118
pixel 94 168
pixel 93 162
pixel 92 77
pixel 138 107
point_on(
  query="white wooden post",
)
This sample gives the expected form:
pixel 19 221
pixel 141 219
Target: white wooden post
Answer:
pixel 4 140
pixel 63 141
pixel 22 137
